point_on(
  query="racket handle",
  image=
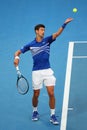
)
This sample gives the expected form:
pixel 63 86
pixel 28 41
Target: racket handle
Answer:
pixel 18 71
pixel 17 68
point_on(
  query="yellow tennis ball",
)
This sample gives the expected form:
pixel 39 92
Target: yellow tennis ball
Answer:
pixel 74 10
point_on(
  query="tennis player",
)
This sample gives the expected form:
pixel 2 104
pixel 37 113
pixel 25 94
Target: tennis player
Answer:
pixel 41 71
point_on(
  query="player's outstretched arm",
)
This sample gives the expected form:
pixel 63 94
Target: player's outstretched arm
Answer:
pixel 16 58
pixel 55 35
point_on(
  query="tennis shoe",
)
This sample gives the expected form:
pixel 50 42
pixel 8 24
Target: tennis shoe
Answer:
pixel 35 116
pixel 54 120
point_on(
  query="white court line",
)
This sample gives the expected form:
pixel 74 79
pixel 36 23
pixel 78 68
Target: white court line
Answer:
pixel 78 42
pixel 80 57
pixel 67 87
pixel 70 109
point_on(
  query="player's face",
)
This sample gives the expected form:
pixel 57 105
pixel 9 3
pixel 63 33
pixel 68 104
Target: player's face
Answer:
pixel 40 32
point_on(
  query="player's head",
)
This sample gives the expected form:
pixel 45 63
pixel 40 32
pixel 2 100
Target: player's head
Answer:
pixel 39 30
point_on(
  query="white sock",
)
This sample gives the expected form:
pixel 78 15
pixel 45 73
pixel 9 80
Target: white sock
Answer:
pixel 34 109
pixel 52 111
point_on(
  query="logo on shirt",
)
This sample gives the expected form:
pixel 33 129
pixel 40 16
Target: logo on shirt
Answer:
pixel 43 42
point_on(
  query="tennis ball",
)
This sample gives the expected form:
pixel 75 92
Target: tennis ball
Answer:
pixel 74 10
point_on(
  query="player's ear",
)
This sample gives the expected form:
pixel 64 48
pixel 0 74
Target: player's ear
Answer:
pixel 36 31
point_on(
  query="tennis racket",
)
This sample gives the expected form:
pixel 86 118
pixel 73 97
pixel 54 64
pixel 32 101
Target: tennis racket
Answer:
pixel 22 83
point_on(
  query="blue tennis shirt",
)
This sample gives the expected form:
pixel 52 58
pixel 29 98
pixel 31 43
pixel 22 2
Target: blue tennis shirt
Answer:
pixel 40 52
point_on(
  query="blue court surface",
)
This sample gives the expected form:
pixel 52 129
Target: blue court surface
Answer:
pixel 77 118
pixel 74 112
pixel 17 21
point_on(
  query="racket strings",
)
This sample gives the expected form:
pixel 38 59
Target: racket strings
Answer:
pixel 22 85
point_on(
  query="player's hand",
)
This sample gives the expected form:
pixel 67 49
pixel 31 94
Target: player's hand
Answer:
pixel 16 62
pixel 68 20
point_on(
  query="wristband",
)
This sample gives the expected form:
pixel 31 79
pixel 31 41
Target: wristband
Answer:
pixel 17 57
pixel 64 25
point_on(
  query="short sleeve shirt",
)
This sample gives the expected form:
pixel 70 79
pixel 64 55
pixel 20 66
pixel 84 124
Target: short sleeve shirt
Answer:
pixel 40 52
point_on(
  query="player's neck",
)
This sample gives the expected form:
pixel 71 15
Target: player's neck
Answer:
pixel 39 39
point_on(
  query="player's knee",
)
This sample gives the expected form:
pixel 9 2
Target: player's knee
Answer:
pixel 51 94
pixel 36 94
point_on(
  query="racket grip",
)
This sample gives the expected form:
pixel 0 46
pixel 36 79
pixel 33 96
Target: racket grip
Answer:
pixel 17 68
pixel 18 71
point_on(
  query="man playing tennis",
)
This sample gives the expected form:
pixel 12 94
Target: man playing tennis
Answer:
pixel 42 72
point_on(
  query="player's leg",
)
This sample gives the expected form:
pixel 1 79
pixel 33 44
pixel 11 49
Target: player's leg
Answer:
pixel 35 97
pixel 49 82
pixel 37 85
pixel 50 90
pixel 35 115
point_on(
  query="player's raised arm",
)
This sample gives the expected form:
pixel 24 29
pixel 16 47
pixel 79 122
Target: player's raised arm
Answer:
pixel 55 35
pixel 16 57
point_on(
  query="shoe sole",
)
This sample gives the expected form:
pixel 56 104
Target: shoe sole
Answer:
pixel 55 123
pixel 35 119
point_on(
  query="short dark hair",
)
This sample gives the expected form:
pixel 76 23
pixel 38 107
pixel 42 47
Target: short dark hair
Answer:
pixel 39 26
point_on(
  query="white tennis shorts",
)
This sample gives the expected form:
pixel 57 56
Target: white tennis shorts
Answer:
pixel 41 77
